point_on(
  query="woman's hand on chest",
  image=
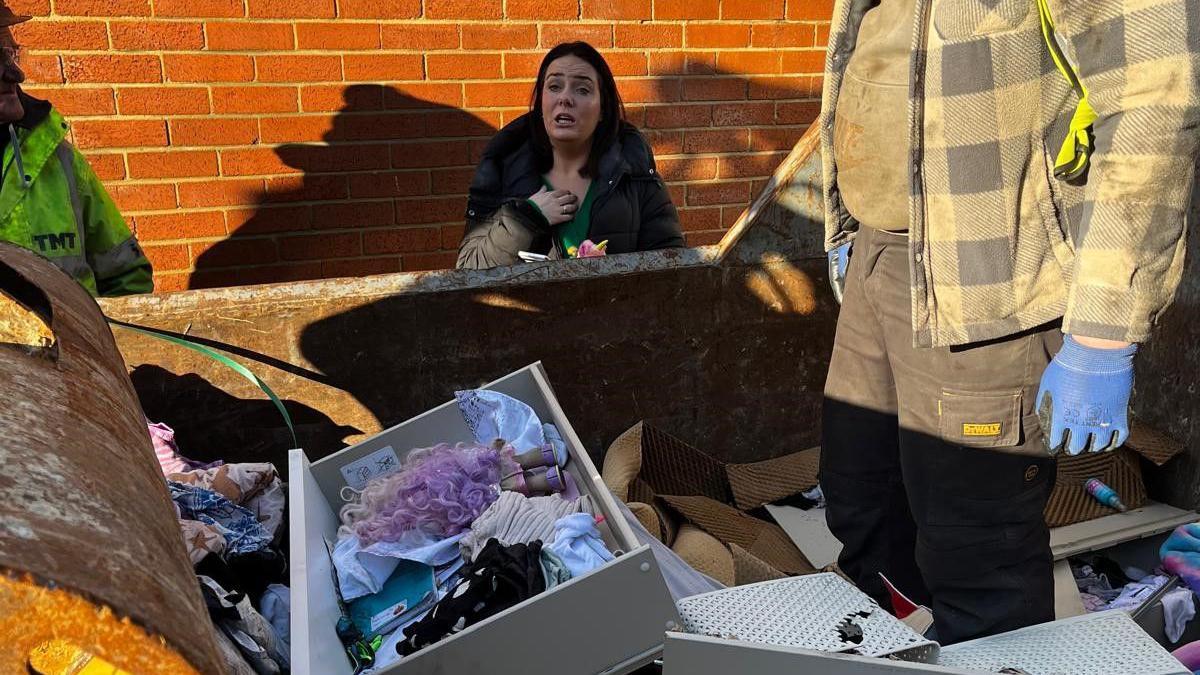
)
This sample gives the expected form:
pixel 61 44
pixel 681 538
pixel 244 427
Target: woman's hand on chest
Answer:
pixel 557 206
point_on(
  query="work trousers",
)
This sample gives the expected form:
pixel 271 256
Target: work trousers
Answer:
pixel 932 460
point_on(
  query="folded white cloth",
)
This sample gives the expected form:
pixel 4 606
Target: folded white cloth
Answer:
pixel 1178 610
pixel 516 519
pixel 578 543
pixel 276 607
pixel 363 571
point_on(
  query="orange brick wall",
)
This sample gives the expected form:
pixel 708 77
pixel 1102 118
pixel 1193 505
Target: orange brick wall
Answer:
pixel 250 141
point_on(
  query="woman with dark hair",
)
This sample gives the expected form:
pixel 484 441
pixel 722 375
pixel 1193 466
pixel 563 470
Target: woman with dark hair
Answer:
pixel 569 175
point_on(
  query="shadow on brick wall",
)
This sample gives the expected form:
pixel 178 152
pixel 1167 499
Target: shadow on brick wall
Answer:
pixel 718 137
pixel 704 351
pixel 386 190
pixel 390 173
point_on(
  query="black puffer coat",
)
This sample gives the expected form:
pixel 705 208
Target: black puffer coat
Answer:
pixel 632 209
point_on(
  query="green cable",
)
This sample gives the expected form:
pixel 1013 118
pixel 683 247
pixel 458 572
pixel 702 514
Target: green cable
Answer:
pixel 222 359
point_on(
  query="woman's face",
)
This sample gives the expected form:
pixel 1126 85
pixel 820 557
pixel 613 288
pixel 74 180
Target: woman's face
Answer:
pixel 570 100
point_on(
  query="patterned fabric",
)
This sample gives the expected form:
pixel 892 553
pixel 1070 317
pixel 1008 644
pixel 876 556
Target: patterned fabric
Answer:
pixel 996 244
pixel 253 486
pixel 241 529
pixel 200 539
pixel 499 578
pixel 491 415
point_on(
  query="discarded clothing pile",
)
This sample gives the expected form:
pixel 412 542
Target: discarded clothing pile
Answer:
pixel 455 534
pixel 1104 585
pixel 231 521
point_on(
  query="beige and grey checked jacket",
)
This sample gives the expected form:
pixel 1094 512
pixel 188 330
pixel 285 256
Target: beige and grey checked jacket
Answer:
pixel 996 244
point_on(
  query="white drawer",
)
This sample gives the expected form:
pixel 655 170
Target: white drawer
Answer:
pixel 610 620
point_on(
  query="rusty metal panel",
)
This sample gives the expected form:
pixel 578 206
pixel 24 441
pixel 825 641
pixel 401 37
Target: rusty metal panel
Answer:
pixel 729 358
pixel 786 221
pixel 83 505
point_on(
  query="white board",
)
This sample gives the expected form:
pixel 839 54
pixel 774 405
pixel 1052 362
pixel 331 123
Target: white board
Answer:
pixel 807 529
pixel 1093 535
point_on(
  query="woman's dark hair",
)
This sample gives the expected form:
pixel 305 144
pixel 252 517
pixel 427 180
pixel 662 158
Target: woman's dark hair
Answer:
pixel 612 110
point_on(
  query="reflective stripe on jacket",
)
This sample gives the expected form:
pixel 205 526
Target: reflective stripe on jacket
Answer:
pixel 59 208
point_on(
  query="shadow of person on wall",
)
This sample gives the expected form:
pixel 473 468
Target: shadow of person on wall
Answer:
pixel 389 180
pixel 700 349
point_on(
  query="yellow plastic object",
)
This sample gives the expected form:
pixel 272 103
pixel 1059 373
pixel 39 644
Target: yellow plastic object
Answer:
pixel 60 657
pixel 56 632
pixel 1076 152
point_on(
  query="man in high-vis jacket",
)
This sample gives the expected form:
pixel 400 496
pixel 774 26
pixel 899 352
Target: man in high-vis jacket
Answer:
pixel 50 200
pixel 1007 181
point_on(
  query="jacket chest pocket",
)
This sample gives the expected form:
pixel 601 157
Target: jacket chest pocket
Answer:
pixel 964 19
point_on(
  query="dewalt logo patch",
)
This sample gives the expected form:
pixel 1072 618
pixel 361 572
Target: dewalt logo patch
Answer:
pixel 981 429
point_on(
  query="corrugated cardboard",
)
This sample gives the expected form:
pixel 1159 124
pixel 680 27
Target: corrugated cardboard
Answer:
pixel 673 467
pixel 644 464
pixel 750 569
pixel 766 541
pixel 1121 470
pixel 660 464
pixel 770 480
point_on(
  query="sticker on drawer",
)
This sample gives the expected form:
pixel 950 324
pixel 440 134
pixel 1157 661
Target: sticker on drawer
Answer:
pixel 379 463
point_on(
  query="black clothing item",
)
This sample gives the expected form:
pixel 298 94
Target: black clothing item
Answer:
pixel 36 110
pixel 248 573
pixel 959 529
pixel 249 633
pixel 500 577
pixel 632 209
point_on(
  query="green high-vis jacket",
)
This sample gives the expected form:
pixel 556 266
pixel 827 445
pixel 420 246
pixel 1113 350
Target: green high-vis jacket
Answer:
pixel 59 208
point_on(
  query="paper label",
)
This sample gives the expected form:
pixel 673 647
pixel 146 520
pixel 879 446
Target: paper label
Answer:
pixel 387 616
pixel 379 463
pixel 981 429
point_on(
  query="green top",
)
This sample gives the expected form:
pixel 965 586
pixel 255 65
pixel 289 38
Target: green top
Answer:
pixel 571 234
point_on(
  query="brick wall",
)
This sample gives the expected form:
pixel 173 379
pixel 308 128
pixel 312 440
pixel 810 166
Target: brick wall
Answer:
pixel 250 141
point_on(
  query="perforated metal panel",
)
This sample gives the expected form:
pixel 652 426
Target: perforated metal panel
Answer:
pixel 1105 643
pixel 818 611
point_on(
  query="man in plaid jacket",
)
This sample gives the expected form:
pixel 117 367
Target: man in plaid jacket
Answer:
pixel 991 310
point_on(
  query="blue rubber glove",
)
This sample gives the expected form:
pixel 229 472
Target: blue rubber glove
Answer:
pixel 839 260
pixel 1083 401
pixel 1180 554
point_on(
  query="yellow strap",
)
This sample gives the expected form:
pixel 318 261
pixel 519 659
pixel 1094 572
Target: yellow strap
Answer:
pixel 1076 151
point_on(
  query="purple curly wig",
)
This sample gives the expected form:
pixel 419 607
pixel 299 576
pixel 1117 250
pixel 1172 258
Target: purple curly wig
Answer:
pixel 439 491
